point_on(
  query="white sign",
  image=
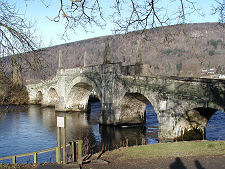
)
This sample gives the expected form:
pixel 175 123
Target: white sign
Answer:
pixel 60 121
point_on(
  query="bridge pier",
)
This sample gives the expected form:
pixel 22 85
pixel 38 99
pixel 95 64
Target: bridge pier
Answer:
pixel 122 113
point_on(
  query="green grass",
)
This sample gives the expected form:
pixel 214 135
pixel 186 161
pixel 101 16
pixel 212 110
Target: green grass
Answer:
pixel 177 149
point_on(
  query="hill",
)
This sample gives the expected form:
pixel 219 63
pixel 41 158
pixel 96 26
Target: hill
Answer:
pixel 200 51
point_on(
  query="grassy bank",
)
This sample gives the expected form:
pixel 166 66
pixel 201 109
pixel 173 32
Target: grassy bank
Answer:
pixel 157 151
pixel 176 149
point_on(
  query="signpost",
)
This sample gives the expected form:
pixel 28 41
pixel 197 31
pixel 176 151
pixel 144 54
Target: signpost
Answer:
pixel 60 121
pixel 61 124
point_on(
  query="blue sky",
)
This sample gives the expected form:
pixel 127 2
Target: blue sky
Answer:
pixel 50 31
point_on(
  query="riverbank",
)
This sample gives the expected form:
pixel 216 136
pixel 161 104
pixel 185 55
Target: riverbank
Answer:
pixel 193 154
pixel 11 92
pixel 13 95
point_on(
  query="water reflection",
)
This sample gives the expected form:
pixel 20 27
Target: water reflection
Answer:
pixel 34 128
pixel 113 137
pixel 215 128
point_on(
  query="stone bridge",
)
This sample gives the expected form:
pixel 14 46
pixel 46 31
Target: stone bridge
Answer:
pixel 183 105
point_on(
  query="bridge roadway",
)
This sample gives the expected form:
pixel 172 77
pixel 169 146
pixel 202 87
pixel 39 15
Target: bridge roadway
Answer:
pixel 183 105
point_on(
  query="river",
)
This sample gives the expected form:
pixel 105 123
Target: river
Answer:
pixel 32 128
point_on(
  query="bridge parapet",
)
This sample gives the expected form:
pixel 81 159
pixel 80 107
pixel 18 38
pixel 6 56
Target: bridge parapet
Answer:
pixel 68 72
pixel 136 70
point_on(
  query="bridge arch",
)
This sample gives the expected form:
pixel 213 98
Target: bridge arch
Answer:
pixel 39 97
pixel 81 92
pixel 198 119
pixel 52 96
pixel 192 124
pixel 133 108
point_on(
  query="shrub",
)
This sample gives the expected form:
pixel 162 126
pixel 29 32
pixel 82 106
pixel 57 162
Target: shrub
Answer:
pixel 179 67
pixel 177 52
pixel 167 51
pixel 214 43
pixel 212 52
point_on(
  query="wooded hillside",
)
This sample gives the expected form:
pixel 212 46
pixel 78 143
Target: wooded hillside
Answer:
pixel 201 49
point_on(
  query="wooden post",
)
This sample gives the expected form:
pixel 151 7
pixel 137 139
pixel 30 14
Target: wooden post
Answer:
pixel 64 145
pixel 58 149
pixel 73 152
pixel 35 158
pixel 204 131
pixel 80 142
pixel 58 155
pixel 143 141
pixel 14 160
pixel 61 124
pixel 127 142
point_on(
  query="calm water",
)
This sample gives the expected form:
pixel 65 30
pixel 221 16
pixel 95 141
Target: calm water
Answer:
pixel 30 129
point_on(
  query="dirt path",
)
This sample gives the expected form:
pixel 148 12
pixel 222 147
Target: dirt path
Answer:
pixel 203 162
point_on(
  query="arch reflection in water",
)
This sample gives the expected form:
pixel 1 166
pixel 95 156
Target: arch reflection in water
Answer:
pixel 151 124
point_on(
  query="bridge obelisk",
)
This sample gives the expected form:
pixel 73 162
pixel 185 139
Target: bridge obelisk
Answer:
pixel 61 104
pixel 107 52
pixel 85 59
pixel 60 60
pixel 139 55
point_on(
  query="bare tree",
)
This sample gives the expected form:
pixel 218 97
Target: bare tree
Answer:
pixel 80 13
pixel 220 10
pixel 19 47
pixel 18 53
pixel 17 41
pixel 126 15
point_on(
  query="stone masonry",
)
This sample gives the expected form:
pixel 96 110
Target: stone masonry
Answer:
pixel 183 105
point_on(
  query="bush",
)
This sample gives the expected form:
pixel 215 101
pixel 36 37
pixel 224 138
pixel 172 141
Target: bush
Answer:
pixel 212 52
pixel 177 52
pixel 179 67
pixel 167 51
pixel 215 43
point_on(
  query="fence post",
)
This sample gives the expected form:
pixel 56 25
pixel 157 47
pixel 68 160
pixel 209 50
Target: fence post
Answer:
pixel 80 142
pixel 14 160
pixel 35 158
pixel 64 142
pixel 61 124
pixel 127 142
pixel 73 152
pixel 58 149
pixel 58 155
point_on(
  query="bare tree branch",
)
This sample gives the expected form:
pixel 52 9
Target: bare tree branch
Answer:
pixel 18 45
pixel 126 15
pixel 220 10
